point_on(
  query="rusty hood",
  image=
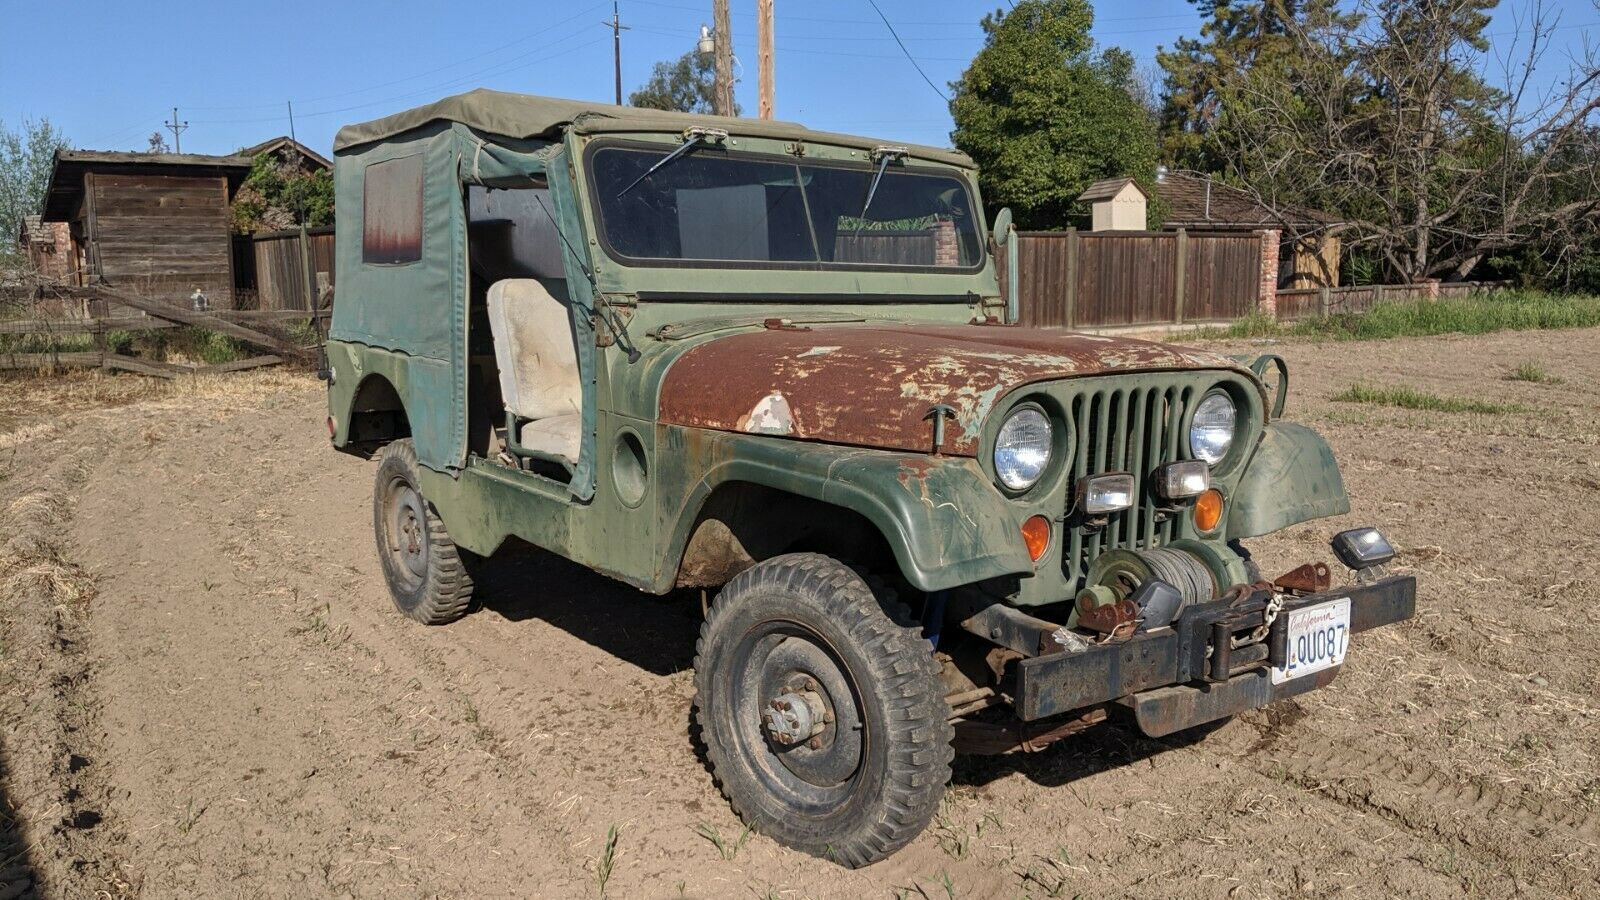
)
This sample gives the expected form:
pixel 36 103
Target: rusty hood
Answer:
pixel 872 385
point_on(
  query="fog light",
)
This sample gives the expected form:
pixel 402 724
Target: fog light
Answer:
pixel 1036 535
pixel 1362 548
pixel 1185 479
pixel 1102 494
pixel 1208 511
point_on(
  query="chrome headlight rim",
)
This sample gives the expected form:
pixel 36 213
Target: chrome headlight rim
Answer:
pixel 1052 449
pixel 1221 461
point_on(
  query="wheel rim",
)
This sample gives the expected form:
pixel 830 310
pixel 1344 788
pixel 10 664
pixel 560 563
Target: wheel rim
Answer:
pixel 405 531
pixel 815 775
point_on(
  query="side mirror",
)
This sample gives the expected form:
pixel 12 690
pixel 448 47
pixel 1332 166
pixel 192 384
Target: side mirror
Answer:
pixel 1002 227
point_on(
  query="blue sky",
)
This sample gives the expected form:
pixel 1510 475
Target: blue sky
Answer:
pixel 109 73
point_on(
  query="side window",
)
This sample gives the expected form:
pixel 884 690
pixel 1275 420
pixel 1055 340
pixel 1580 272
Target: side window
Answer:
pixel 391 212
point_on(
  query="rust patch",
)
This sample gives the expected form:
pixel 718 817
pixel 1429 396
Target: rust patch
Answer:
pixel 871 385
pixel 1311 578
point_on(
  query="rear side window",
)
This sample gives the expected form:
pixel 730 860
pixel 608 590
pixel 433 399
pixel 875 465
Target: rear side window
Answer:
pixel 391 212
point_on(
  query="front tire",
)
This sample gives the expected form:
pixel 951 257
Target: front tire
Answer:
pixel 824 720
pixel 427 575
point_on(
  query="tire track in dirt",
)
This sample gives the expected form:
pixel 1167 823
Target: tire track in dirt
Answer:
pixel 70 841
pixel 1553 845
pixel 247 658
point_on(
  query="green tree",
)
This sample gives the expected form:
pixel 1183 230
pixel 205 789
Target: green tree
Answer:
pixel 1045 113
pixel 1235 36
pixel 277 190
pixel 1379 111
pixel 686 84
pixel 26 158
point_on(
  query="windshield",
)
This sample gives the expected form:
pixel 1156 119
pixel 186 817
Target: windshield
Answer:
pixel 715 207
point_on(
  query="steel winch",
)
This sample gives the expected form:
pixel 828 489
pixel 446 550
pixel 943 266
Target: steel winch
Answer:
pixel 1128 589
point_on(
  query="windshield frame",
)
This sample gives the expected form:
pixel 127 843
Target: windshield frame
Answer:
pixel 602 238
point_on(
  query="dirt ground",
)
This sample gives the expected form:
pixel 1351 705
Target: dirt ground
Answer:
pixel 206 693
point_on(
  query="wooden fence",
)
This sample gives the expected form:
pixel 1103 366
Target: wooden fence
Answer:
pixel 134 312
pixel 1075 279
pixel 280 274
pixel 1311 303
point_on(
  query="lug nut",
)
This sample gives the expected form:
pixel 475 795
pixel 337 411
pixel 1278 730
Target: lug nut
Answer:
pixel 815 744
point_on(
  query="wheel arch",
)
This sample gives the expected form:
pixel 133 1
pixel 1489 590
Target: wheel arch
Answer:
pixel 940 520
pixel 375 416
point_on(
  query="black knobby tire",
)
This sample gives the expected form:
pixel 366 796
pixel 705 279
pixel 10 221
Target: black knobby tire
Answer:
pixel 873 779
pixel 428 576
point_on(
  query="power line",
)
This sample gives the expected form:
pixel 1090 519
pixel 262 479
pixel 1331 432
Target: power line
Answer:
pixel 913 59
pixel 500 68
pixel 588 10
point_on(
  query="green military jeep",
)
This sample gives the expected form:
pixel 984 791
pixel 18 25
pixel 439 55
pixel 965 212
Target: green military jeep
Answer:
pixel 743 356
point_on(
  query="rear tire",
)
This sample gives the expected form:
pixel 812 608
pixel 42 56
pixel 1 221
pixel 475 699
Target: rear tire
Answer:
pixel 869 773
pixel 427 574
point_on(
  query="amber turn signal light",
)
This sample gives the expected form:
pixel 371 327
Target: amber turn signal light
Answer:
pixel 1208 511
pixel 1036 535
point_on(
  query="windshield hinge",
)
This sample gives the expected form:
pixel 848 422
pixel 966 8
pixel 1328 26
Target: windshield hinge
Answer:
pixel 887 152
pixel 708 135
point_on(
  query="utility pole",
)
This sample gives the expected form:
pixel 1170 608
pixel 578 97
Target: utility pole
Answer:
pixel 177 128
pixel 617 28
pixel 722 97
pixel 764 56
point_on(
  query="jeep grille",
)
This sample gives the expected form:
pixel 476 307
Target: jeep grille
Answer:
pixel 1122 430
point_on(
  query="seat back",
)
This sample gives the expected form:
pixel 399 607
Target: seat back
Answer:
pixel 534 347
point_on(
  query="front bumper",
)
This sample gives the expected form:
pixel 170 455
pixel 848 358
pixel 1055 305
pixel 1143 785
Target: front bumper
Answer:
pixel 1176 677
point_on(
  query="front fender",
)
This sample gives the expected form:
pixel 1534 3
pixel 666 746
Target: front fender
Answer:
pixel 945 522
pixel 1292 478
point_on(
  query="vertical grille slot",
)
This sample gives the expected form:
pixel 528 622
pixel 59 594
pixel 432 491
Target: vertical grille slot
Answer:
pixel 1122 429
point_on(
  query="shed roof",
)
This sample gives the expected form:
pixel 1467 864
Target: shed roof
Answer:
pixel 66 176
pixel 528 116
pixel 282 141
pixel 1206 203
pixel 1109 188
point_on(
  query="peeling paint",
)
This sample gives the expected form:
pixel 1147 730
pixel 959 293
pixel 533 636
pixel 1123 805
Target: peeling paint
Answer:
pixel 770 416
pixel 818 351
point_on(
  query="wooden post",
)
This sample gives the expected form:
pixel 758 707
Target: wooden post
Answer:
pixel 100 343
pixel 764 56
pixel 1324 302
pixel 722 97
pixel 1072 276
pixel 1182 275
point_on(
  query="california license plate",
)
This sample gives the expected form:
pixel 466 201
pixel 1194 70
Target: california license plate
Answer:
pixel 1315 638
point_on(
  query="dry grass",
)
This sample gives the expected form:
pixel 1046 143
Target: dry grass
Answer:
pixel 33 563
pixel 29 398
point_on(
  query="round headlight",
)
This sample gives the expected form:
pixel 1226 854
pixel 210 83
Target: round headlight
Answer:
pixel 1211 430
pixel 1022 450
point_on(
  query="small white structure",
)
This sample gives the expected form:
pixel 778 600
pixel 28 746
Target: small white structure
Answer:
pixel 1117 204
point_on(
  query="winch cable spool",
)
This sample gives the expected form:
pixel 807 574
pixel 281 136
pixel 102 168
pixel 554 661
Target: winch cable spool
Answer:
pixel 1116 574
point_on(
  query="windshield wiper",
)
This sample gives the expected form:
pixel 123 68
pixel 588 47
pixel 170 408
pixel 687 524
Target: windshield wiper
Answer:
pixel 692 137
pixel 883 155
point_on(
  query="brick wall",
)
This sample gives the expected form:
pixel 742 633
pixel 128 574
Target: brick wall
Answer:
pixel 946 251
pixel 1268 292
pixel 51 254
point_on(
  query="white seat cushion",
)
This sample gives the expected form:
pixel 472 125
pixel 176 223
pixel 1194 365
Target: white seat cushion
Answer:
pixel 555 435
pixel 534 349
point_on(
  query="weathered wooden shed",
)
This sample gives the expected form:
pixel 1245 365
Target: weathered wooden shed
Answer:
pixel 156 224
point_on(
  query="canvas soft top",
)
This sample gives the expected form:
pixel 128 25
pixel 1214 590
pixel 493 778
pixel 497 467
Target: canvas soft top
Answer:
pixel 528 116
